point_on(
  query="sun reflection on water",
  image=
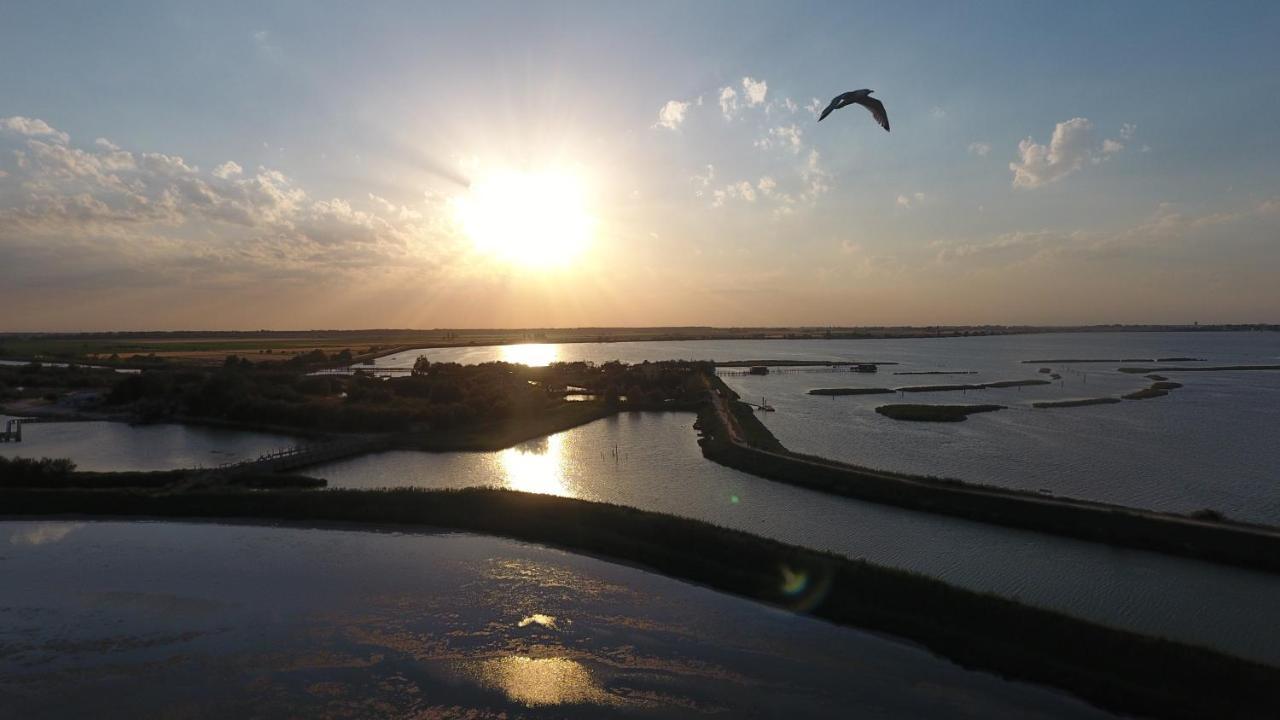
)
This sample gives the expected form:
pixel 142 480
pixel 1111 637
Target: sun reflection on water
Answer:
pixel 533 354
pixel 536 467
pixel 541 681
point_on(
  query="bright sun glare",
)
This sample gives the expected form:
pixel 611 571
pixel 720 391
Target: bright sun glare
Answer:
pixel 533 219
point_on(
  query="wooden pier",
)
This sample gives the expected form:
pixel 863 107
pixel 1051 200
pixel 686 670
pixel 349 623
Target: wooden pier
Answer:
pixel 12 431
pixel 300 456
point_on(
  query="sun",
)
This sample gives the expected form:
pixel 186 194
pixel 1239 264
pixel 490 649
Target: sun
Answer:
pixel 533 219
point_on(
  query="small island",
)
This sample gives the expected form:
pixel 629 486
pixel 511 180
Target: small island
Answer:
pixel 934 413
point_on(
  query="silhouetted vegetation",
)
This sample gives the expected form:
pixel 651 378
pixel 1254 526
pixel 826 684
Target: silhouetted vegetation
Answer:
pixel 443 398
pixel 1208 514
pixel 934 413
pixel 30 472
pixel 1076 403
pixel 851 391
pixel 1116 669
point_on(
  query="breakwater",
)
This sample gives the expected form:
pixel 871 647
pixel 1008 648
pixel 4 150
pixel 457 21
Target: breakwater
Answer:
pixel 733 436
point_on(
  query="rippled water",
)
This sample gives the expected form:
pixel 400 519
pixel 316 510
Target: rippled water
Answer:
pixel 659 467
pixel 126 620
pixel 105 446
pixel 1212 444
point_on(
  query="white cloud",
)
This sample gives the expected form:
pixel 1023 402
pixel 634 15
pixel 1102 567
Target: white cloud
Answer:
pixel 754 90
pixel 1127 131
pixel 814 106
pixel 672 115
pixel 228 169
pixel 32 127
pixel 728 101
pixel 787 136
pixel 981 149
pixel 1111 147
pixel 766 185
pixel 703 180
pixel 106 144
pixel 909 201
pixel 1068 150
pixel 741 190
pixel 937 112
pixel 152 218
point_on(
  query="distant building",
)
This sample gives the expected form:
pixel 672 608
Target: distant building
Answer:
pixel 759 370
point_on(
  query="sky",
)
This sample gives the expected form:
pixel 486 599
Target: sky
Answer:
pixel 347 165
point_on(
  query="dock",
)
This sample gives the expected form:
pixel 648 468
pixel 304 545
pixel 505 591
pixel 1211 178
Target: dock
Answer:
pixel 12 431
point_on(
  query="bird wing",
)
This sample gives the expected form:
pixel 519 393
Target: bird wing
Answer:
pixel 877 110
pixel 835 105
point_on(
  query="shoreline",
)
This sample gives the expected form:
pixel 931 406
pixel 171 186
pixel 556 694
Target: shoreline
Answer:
pixel 733 436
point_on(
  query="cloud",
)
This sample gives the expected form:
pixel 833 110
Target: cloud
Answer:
pixel 1127 131
pixel 728 102
pixel 672 115
pixel 31 127
pixel 909 201
pixel 766 185
pixel 754 90
pixel 981 149
pixel 788 136
pixel 1069 149
pixel 702 181
pixel 227 170
pixel 742 190
pixel 1165 237
pixel 152 218
pixel 1111 147
pixel 105 144
pixel 937 112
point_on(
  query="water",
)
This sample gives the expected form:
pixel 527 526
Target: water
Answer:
pixel 169 620
pixel 111 446
pixel 659 467
pixel 1211 444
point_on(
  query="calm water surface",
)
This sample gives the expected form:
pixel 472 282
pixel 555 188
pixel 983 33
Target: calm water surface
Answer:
pixel 1212 444
pixel 127 620
pixel 105 446
pixel 659 467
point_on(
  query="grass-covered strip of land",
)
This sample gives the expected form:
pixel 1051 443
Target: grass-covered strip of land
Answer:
pixel 939 372
pixel 934 413
pixel 1076 403
pixel 1215 368
pixel 1110 360
pixel 975 386
pixel 851 391
pixel 733 435
pixel 1160 388
pixel 60 473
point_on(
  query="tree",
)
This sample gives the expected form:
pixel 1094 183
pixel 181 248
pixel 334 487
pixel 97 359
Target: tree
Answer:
pixel 421 365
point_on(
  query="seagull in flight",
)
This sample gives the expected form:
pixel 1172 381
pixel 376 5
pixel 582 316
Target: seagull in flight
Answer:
pixel 863 98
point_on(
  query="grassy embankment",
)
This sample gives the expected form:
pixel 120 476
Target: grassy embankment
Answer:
pixel 1076 403
pixel 930 388
pixel 1115 669
pixel 761 454
pixel 934 413
pixel 1215 368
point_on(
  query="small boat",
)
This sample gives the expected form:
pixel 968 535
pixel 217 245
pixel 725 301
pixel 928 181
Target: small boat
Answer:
pixel 764 406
